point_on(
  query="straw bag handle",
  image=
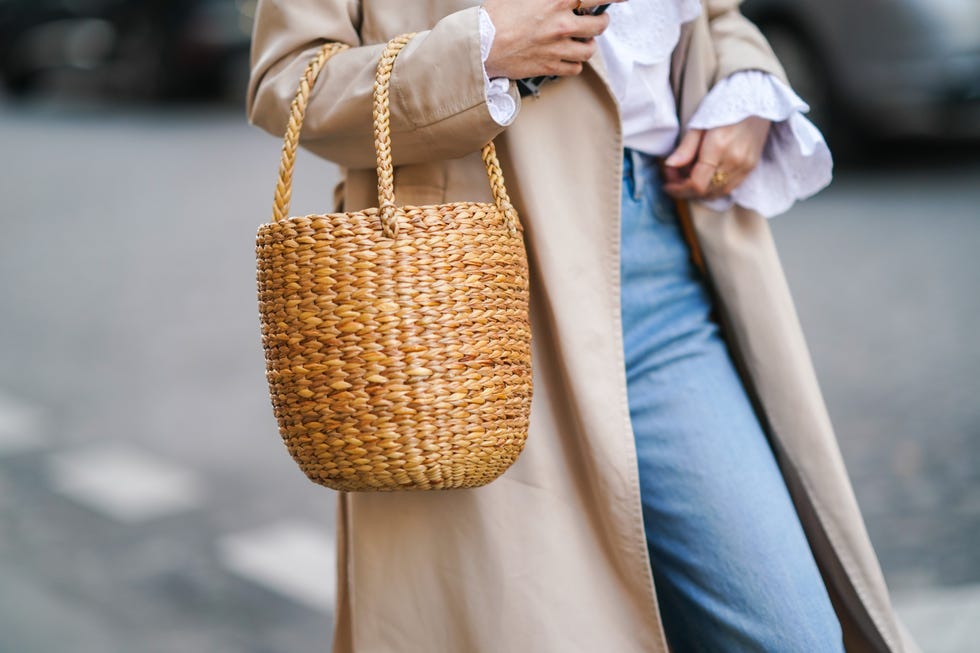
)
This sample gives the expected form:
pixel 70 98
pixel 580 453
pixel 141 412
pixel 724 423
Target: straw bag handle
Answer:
pixel 382 141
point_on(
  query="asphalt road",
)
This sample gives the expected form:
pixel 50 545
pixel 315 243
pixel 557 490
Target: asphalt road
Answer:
pixel 146 502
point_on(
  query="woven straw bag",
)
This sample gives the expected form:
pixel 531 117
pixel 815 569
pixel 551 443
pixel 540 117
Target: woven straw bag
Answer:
pixel 397 339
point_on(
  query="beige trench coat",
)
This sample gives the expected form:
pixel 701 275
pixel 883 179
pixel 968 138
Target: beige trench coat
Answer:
pixel 551 557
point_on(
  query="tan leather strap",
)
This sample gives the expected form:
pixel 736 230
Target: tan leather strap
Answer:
pixel 687 228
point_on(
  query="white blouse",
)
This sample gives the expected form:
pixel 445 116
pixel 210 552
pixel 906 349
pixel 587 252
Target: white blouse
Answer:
pixel 636 49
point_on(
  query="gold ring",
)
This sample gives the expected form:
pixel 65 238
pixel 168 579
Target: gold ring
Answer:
pixel 720 178
pixel 578 8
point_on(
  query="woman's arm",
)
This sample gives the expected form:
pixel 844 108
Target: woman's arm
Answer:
pixel 795 161
pixel 750 116
pixel 438 103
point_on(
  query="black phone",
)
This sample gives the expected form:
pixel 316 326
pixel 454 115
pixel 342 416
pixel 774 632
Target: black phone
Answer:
pixel 595 11
pixel 532 85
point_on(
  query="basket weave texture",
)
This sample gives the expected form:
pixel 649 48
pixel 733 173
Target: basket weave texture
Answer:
pixel 397 339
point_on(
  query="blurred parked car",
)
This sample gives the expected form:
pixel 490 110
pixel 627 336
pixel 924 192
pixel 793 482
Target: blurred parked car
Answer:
pixel 889 68
pixel 145 47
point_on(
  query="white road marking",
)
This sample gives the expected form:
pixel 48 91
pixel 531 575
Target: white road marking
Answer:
pixel 292 558
pixel 123 482
pixel 942 620
pixel 20 426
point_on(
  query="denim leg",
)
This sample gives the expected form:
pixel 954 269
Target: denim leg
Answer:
pixel 732 566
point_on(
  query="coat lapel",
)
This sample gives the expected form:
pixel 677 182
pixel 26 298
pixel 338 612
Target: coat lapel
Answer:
pixel 598 64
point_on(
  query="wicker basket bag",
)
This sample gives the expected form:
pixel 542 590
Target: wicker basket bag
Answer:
pixel 397 339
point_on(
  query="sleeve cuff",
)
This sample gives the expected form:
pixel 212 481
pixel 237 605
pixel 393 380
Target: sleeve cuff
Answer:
pixel 501 104
pixel 796 162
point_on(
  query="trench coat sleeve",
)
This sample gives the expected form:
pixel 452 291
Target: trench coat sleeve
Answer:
pixel 739 45
pixel 438 100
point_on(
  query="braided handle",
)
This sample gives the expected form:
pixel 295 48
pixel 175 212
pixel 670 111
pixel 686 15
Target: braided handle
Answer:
pixel 297 111
pixel 382 141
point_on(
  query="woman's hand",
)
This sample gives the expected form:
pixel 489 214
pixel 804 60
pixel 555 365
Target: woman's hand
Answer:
pixel 711 164
pixel 541 37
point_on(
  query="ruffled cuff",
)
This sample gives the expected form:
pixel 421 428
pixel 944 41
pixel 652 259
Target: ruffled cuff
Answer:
pixel 795 163
pixel 501 104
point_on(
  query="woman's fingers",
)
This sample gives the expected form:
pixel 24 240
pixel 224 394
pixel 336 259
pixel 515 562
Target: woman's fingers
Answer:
pixel 682 166
pixel 697 184
pixel 589 4
pixel 575 51
pixel 702 182
pixel 716 167
pixel 729 151
pixel 725 156
pixel 565 68
pixel 584 27
pixel 687 150
pixel 732 178
pixel 726 183
pixel 531 36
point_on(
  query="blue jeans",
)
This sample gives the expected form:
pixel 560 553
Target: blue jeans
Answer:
pixel 733 569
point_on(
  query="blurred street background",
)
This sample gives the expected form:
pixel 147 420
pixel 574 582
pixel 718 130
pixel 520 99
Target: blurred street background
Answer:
pixel 147 503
